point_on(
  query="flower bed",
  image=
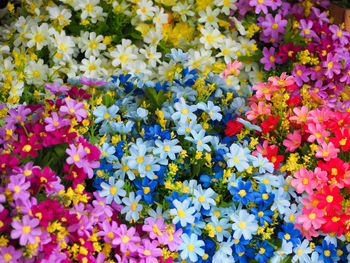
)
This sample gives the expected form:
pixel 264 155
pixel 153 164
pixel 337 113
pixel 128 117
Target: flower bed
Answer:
pixel 195 165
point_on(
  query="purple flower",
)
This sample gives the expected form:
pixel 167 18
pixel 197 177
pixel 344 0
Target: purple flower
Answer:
pixel 18 186
pixel 332 65
pixel 89 82
pixel 126 238
pixel 260 5
pixel 108 230
pixel 56 88
pixel 55 122
pixel 346 76
pixel 76 156
pixel 269 58
pixel 74 108
pixel 321 17
pixel 16 116
pixel 273 26
pixel 339 34
pixel 306 29
pixel 26 230
pixel 9 254
pixel 148 251
pixel 300 74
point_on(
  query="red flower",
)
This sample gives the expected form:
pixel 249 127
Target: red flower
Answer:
pixel 273 157
pixel 336 170
pixel 25 147
pixel 288 52
pixel 269 124
pixel 233 127
pixel 341 139
pixel 336 223
pixel 8 161
pixel 330 199
pixel 5 221
pixel 338 120
pixel 294 101
pixel 45 178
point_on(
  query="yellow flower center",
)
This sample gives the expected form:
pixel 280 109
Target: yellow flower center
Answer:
pixel 211 18
pixel 305 181
pixel 287 236
pixel 335 219
pixel 330 65
pixel 125 239
pixel 123 58
pixel 201 199
pixel 92 67
pixel 339 33
pixel 139 159
pixel 110 235
pixel 262 250
pixel 342 142
pixel 329 199
pixel 242 225
pixel 63 47
pixel 146 190
pixel 148 167
pixel 299 73
pixel 166 148
pixel 190 247
pixel 180 213
pixel 260 214
pixel 210 38
pixel 36 74
pixel 260 2
pixel 184 111
pixel 300 252
pixel 27 148
pixel 272 59
pixel 38 37
pixel 7 257
pixel 93 44
pixel 125 168
pixel 266 181
pixel 26 230
pixel 219 229
pixel 327 253
pixel 133 206
pixel 312 216
pixel 76 158
pixel 242 193
pixel 89 7
pixel 235 160
pixel 147 252
pixel 274 26
pixel 306 31
pixel 113 190
pixel 265 196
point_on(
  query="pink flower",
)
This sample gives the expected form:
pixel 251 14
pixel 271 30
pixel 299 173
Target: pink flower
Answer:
pixel 54 122
pixel 10 254
pixel 26 230
pixel 76 156
pixel 293 142
pixel 174 238
pixel 327 151
pixel 156 229
pixel 257 110
pixel 89 82
pixel 109 230
pixel 264 90
pixel 232 69
pixel 148 251
pixel 126 238
pixel 304 181
pixel 300 114
pixel 309 234
pixel 18 185
pixel 311 218
pixel 283 81
pixel 73 108
pixel 317 131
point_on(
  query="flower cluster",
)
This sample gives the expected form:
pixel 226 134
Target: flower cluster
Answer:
pixel 299 38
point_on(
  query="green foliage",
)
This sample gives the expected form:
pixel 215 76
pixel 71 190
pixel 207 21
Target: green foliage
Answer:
pixel 342 3
pixel 156 98
pixel 292 36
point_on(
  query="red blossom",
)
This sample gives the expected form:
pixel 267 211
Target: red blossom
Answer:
pixel 233 127
pixel 269 124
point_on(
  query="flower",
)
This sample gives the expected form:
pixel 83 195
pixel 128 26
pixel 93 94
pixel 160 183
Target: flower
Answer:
pixel 26 230
pixel 327 151
pixel 302 252
pixel 113 190
pixel 183 212
pixel 148 251
pixel 191 247
pixel 270 58
pixel 126 238
pixel 311 218
pixel 293 141
pixel 237 158
pixel 244 224
pixel 132 207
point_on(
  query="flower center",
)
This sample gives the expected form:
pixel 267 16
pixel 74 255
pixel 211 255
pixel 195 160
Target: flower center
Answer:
pixel 27 148
pixel 184 111
pixel 110 235
pixel 180 213
pixel 242 225
pixel 201 199
pixel 76 158
pixel 219 229
pixel 274 26
pixel 147 252
pixel 287 236
pixel 190 247
pixel 139 159
pixel 113 190
pixel 330 199
pixel 146 190
pixel 242 193
pixel 166 148
pixel 7 257
pixel 125 239
pixel 312 216
pixel 26 230
pixel 133 206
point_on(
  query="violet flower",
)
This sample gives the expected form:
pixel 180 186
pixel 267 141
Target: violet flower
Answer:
pixel 10 254
pixel 18 185
pixel 55 122
pixel 260 5
pixel 74 108
pixel 26 230
pixel 90 82
pixel 269 58
pixel 301 74
pixel 148 251
pixel 57 88
pixel 126 238
pixel 332 65
pixel 273 26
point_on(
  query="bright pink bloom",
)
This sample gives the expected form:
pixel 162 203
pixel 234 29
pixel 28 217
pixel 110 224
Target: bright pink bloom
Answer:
pixel 155 228
pixel 300 114
pixel 89 82
pixel 74 108
pixel 76 155
pixel 293 141
pixel 311 218
pixel 264 90
pixel 304 181
pixel 317 132
pixel 327 151
pixel 232 69
pixel 126 238
pixel 283 81
pixel 26 230
pixel 257 110
pixel 308 233
pixel 149 252
pixel 18 185
pixel 54 122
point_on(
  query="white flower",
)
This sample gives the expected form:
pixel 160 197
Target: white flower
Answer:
pixel 183 9
pixel 227 5
pixel 182 212
pixel 211 38
pixel 91 9
pixel 200 140
pixel 153 37
pixel 38 36
pixel 132 207
pixel 92 67
pixel 209 17
pixel 91 44
pixel 200 58
pixel 302 252
pixel 244 224
pixel 36 72
pixel 123 54
pixel 151 55
pixel 59 13
pixel 183 111
pixel 145 9
pixel 228 50
pixel 65 46
pixel 160 17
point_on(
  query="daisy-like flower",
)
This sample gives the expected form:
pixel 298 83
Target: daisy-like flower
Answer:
pixel 55 122
pixel 311 218
pixel 228 50
pixel 258 110
pixel 304 181
pixel 167 148
pixel 270 58
pixel 132 207
pixel 19 185
pixel 184 10
pixel 10 254
pixel 232 69
pixel 302 252
pixel 182 212
pixel 327 151
pixel 123 54
pixel 301 114
pixel 103 114
pixel 126 238
pixel 60 14
pixel 244 224
pixel 209 17
pixel 203 198
pixel 306 29
pixel 293 141
pixel 211 38
pixel 200 140
pixel 260 5
pixel 25 146
pixel 36 72
pixel 91 67
pixel 317 132
pixel 113 190
pixel 90 8
pixel 145 9
pixel 26 230
pixel 274 26
pixel 183 111
pixel 38 36
pixel 91 44
pixel 237 158
pixel 149 252
pixel 74 108
pixel 191 247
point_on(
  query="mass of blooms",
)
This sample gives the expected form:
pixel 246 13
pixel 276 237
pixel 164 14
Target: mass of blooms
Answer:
pixel 174 131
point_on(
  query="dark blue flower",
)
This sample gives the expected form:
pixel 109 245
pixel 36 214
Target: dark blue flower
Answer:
pixel 262 214
pixel 326 252
pixel 175 196
pixel 146 188
pixel 263 197
pixel 265 251
pixel 242 192
pixel 290 234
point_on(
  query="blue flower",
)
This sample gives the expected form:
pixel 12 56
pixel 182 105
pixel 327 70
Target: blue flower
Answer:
pixel 326 252
pixel 103 114
pixel 262 214
pixel 263 197
pixel 177 55
pixel 290 234
pixel 242 193
pixel 175 196
pixel 146 189
pixel 237 158
pixel 265 251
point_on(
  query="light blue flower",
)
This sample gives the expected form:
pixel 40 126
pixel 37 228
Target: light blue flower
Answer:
pixel 212 110
pixel 203 198
pixel 238 106
pixel 269 180
pixel 142 114
pixel 220 227
pixel 103 114
pixel 132 207
pixel 302 252
pixel 244 224
pixel 187 127
pixel 177 55
pixel 249 125
pixel 200 140
pixel 138 159
pixel 262 163
pixel 121 127
pixel 285 249
pixel 107 152
pixel 184 111
pixel 183 212
pixel 183 92
pixel 167 148
pixel 224 252
pixel 281 201
pixel 113 190
pixel 191 247
pixel 237 158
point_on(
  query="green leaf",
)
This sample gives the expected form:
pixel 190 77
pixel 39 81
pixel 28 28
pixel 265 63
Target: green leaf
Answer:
pixel 107 100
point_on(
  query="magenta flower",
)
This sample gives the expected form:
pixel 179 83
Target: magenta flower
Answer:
pixel 269 58
pixel 55 122
pixel 148 251
pixel 18 185
pixel 74 108
pixel 126 238
pixel 26 230
pixel 10 254
pixel 108 230
pixel 76 156
pixel 332 65
pixel 306 29
pixel 339 34
pixel 273 26
pixel 301 74
pixel 89 82
pixel 156 229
